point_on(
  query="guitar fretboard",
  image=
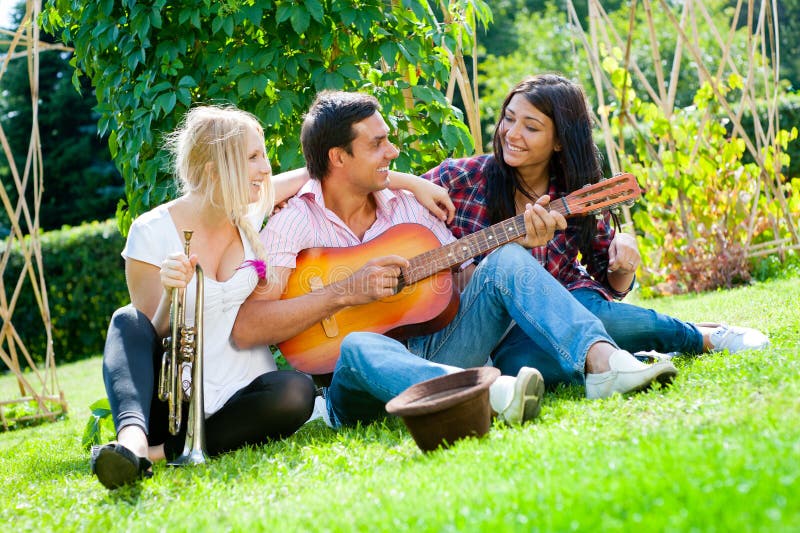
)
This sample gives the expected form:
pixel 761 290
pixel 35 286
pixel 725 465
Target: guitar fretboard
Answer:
pixel 480 242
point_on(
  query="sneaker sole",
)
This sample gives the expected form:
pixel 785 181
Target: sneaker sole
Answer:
pixel 113 470
pixel 664 378
pixel 528 392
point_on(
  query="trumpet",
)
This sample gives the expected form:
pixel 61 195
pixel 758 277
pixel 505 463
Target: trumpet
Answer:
pixel 184 346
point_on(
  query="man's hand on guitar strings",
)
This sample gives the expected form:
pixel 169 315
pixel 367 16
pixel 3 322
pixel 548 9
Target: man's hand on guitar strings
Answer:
pixel 375 280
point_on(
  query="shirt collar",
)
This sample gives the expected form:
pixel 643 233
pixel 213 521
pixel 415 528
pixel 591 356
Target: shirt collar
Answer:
pixel 384 199
pixel 312 189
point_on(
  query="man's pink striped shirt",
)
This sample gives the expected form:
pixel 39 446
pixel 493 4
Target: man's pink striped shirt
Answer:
pixel 306 223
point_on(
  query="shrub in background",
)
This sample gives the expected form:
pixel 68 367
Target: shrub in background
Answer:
pixel 85 280
pixel 775 267
pixel 789 113
pixel 699 188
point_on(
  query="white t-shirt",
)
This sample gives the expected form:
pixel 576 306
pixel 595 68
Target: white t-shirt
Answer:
pixel 226 369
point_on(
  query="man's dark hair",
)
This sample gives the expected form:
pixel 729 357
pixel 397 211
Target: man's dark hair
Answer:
pixel 329 124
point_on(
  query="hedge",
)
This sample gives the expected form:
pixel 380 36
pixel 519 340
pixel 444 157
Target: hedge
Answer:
pixel 85 279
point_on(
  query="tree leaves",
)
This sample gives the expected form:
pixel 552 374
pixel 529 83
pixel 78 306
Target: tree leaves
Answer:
pixel 149 62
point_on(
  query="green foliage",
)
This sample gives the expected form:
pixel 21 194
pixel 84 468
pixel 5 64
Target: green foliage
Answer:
pixel 149 61
pixel 773 267
pixel 698 189
pixel 85 284
pixel 100 425
pixel 25 413
pixel 80 181
pixel 548 41
pixel 789 40
pixel 789 115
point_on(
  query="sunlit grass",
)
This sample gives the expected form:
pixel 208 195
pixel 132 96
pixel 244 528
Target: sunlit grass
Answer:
pixel 717 451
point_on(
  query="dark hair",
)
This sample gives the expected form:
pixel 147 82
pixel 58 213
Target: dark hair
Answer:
pixel 577 163
pixel 329 124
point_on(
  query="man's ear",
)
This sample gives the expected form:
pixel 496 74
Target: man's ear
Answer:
pixel 336 156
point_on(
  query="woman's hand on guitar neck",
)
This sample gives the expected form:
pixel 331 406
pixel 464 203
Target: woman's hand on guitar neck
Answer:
pixel 432 196
pixel 377 279
pixel 541 223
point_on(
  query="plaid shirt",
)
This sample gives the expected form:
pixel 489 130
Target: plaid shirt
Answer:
pixel 467 186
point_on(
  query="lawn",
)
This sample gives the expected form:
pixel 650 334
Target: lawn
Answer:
pixel 719 450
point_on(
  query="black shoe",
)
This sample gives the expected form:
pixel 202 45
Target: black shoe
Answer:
pixel 115 465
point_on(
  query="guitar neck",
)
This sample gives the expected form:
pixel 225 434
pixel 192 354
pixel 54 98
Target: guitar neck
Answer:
pixel 480 242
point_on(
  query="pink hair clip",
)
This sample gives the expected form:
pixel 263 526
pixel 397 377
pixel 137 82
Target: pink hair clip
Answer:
pixel 258 264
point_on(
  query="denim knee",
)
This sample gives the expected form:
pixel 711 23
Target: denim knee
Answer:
pixel 351 352
pixel 513 268
pixel 509 257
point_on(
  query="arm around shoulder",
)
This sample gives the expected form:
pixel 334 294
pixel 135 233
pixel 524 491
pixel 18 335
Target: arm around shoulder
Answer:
pixel 287 183
pixel 429 194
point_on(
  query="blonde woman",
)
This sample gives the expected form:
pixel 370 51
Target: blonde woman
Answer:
pixel 220 162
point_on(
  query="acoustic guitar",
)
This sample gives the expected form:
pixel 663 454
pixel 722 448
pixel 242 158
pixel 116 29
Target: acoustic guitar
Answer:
pixel 426 300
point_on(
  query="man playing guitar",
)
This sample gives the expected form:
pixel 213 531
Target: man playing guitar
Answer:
pixel 346 204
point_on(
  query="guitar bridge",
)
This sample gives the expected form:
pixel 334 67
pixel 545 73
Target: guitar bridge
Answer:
pixel 329 325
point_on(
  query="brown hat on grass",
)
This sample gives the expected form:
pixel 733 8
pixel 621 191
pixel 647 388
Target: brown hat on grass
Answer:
pixel 442 410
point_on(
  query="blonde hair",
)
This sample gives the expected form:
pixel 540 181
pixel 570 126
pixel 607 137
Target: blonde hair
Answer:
pixel 209 151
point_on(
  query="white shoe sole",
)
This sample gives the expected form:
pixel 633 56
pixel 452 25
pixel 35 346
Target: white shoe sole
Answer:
pixel 622 382
pixel 526 403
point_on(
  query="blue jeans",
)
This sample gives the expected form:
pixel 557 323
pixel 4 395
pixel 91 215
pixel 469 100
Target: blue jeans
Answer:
pixel 632 328
pixel 638 329
pixel 509 284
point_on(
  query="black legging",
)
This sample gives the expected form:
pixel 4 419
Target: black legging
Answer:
pixel 272 406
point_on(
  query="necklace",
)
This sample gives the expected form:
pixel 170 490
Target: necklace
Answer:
pixel 522 197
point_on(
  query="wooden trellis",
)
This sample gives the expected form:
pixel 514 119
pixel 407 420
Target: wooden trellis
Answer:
pixel 39 395
pixel 760 84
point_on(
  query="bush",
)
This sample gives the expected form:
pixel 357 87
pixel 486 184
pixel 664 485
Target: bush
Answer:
pixel 789 115
pixel 773 267
pixel 85 279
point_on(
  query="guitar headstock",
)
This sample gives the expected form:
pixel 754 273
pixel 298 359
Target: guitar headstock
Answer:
pixel 602 196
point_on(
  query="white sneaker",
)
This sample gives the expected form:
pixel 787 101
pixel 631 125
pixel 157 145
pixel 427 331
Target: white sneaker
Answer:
pixel 627 374
pixel 735 339
pixel 517 400
pixel 320 411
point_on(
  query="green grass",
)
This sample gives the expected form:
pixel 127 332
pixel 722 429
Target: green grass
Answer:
pixel 717 451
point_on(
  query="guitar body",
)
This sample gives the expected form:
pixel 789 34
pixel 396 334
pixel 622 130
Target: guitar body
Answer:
pixel 420 308
pixel 429 302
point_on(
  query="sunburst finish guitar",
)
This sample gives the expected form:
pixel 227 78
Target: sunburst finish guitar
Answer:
pixel 426 301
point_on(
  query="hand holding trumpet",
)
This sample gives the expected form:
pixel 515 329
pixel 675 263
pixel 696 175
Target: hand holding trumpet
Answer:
pixel 177 270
